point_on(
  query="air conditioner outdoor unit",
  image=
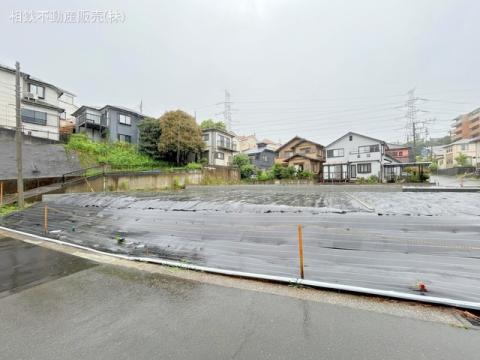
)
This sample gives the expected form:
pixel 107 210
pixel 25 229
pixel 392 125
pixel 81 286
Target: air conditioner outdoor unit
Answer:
pixel 30 96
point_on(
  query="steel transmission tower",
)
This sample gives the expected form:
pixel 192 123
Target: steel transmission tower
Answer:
pixel 227 111
pixel 416 129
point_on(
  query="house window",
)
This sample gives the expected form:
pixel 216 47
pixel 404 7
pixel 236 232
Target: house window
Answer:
pixel 368 148
pixel 364 168
pixel 305 150
pixel 206 137
pixel 464 146
pixel 350 138
pixel 124 138
pixel 264 157
pixel 34 117
pixel 219 155
pixel 400 153
pixel 335 153
pixel 124 119
pixel 37 90
pixel 299 166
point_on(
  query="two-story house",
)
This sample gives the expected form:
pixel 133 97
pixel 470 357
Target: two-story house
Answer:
pixel 355 156
pixel 220 146
pixel 43 105
pixel 468 147
pixel 303 154
pixel 112 123
pixel 401 153
pixel 262 157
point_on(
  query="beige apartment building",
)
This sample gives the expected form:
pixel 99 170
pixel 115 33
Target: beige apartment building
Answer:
pixel 469 147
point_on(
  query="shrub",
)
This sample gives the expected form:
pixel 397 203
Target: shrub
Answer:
pixel 118 154
pixel 265 176
pixel 243 163
pixel 372 179
pixel 305 174
pixel 193 166
pixel 287 172
pixel 433 166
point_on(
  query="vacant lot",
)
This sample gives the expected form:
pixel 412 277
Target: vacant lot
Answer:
pixel 377 239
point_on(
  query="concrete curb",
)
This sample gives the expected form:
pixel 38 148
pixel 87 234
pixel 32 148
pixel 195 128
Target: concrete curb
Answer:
pixel 273 278
pixel 440 189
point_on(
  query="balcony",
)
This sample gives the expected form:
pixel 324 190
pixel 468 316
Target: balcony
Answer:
pixel 226 145
pixel 92 121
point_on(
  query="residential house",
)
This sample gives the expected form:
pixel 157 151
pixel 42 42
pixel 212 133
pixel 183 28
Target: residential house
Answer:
pixel 247 142
pixel 270 144
pixel 355 156
pixel 400 153
pixel 437 154
pixel 469 147
pixel 250 142
pixel 466 126
pixel 43 105
pixel 113 123
pixel 262 157
pixel 220 146
pixel 303 154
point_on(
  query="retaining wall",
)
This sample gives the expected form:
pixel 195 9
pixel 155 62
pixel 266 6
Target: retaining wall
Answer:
pixel 152 181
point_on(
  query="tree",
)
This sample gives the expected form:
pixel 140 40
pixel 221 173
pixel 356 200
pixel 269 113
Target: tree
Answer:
pixel 180 137
pixel 243 163
pixel 461 159
pixel 212 124
pixel 149 137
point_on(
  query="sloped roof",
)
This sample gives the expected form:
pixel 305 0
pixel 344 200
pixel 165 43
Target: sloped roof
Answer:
pixel 301 141
pixel 257 151
pixel 398 146
pixel 33 78
pixel 305 156
pixel 356 134
pixel 289 141
pixel 100 108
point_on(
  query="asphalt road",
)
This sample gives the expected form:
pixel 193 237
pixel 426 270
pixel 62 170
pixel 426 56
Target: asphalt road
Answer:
pixel 108 312
pixel 357 247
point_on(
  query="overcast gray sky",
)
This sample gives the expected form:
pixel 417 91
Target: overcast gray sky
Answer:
pixel 311 68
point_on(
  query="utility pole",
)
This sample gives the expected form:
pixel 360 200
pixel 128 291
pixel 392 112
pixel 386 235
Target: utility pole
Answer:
pixel 141 106
pixel 18 137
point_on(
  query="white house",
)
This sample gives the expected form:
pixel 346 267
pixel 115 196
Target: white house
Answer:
pixel 220 146
pixel 355 156
pixel 43 105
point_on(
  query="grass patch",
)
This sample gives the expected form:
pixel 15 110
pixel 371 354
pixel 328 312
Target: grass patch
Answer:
pixel 117 154
pixel 10 208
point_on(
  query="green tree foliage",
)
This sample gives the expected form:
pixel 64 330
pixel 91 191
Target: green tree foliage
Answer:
pixel 149 138
pixel 212 124
pixel 243 162
pixel 180 137
pixel 283 172
pixel 461 159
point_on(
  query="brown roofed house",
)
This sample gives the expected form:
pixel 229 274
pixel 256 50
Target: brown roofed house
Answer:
pixel 303 154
